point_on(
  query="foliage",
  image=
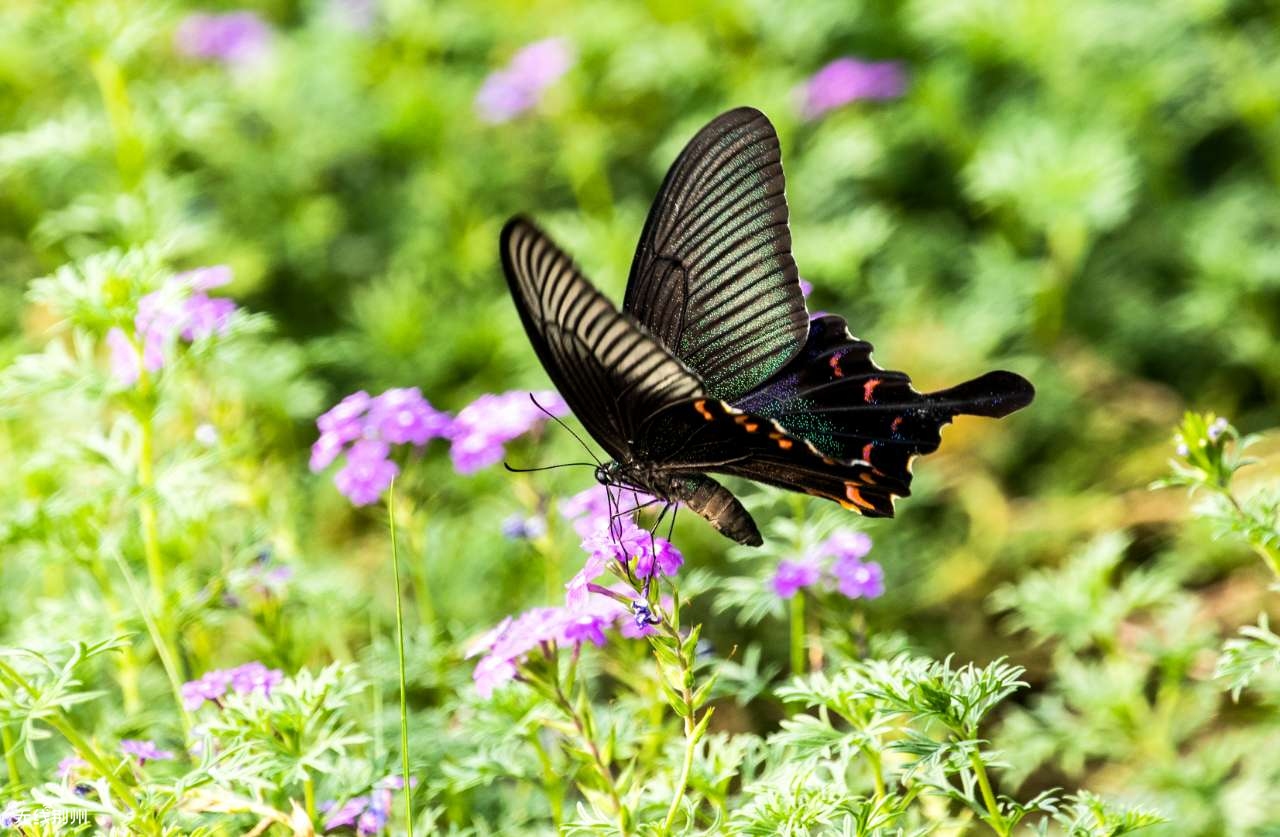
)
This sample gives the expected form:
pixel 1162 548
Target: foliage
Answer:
pixel 1078 191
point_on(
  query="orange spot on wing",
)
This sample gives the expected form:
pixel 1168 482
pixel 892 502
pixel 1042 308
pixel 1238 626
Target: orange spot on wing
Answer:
pixel 869 388
pixel 783 441
pixel 701 406
pixel 896 424
pixel 835 366
pixel 851 491
pixel 747 423
pixel 866 451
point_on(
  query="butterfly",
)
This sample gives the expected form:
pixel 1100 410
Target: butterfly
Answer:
pixel 714 365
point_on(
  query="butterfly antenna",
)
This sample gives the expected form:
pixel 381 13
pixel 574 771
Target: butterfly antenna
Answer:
pixel 516 470
pixel 557 420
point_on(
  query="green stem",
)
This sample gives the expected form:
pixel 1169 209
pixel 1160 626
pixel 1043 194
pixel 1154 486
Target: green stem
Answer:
pixel 690 745
pixel 583 727
pixel 59 721
pixel 1269 555
pixel 309 797
pixel 168 658
pixel 10 758
pixel 797 633
pixel 130 154
pixel 994 818
pixel 404 688
pixel 128 671
pixel 551 783
pixel 692 729
pixel 877 771
pixel 147 507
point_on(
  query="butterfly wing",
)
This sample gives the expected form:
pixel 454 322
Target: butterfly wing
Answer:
pixel 835 396
pixel 831 424
pixel 713 278
pixel 611 373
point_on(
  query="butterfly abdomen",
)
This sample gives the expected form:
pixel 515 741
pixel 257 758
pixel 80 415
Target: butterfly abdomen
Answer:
pixel 706 497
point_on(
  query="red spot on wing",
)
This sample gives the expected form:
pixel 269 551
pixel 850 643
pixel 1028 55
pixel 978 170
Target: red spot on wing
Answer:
pixel 895 424
pixel 866 451
pixel 835 366
pixel 869 388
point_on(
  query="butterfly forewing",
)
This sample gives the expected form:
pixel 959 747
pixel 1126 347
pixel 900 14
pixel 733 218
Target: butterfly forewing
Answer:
pixel 609 371
pixel 713 277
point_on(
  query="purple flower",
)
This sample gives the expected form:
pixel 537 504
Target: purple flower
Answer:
pixel 403 416
pixel 587 627
pixel 144 751
pixel 848 80
pixel 212 687
pixel 255 677
pixel 516 88
pixel 235 38
pixel 367 473
pixel 206 316
pixel 1216 429
pixel 325 450
pixel 806 288
pixel 370 813
pixel 347 815
pixel 124 357
pixel 590 510
pixel 859 580
pixel 576 591
pixel 657 555
pixel 518 527
pixel 1182 449
pixel 245 679
pixel 484 426
pixel 492 672
pixel 526 632
pixel 345 420
pixel 847 545
pixel 179 308
pixel 790 576
pixel 70 765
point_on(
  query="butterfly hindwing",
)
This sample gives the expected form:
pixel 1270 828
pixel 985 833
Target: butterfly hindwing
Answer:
pixel 611 373
pixel 713 278
pixel 706 434
pixel 835 396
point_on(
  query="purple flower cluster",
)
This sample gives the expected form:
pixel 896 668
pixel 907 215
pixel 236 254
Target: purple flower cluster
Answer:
pixel 481 429
pixel 837 560
pixel 180 308
pixel 368 814
pixel 234 38
pixel 364 427
pixel 848 80
pixel 591 509
pixel 584 618
pixel 513 639
pixel 214 685
pixel 144 751
pixel 517 87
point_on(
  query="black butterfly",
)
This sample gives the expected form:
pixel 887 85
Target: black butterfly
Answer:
pixel 714 365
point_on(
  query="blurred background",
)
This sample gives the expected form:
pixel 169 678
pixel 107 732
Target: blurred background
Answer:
pixel 1084 192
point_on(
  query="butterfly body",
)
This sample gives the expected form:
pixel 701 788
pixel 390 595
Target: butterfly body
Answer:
pixel 714 364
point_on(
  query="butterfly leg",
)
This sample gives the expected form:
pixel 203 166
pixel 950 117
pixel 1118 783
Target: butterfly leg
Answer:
pixel 653 544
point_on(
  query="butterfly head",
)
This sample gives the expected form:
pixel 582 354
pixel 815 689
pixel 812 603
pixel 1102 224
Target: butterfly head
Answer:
pixel 606 474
